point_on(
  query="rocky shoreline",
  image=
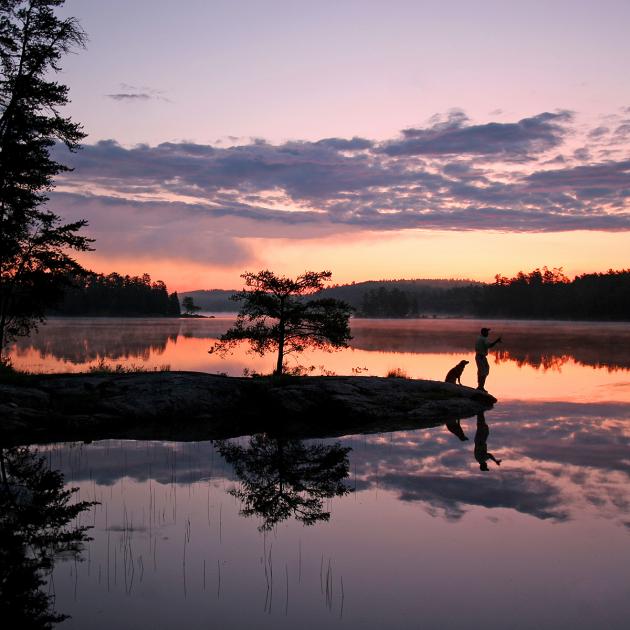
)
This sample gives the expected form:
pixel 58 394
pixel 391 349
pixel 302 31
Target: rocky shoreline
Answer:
pixel 196 406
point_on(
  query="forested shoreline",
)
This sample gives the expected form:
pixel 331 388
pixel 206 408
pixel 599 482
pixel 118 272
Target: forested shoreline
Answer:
pixel 549 294
pixel 539 294
pixel 96 294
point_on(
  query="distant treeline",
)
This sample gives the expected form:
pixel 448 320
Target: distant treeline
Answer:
pixel 550 294
pixel 539 294
pixel 116 295
pixel 418 302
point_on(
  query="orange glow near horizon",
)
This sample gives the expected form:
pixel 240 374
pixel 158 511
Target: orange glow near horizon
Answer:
pixel 390 255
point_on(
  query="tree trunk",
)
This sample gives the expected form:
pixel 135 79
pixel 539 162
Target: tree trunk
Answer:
pixel 5 481
pixel 280 360
pixel 2 332
pixel 281 325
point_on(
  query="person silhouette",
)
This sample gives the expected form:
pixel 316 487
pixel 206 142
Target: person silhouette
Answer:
pixel 455 428
pixel 481 357
pixel 481 443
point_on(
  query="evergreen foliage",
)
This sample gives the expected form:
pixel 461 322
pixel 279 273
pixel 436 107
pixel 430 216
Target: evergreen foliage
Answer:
pixel 34 242
pixel 550 294
pixel 540 294
pixel 97 294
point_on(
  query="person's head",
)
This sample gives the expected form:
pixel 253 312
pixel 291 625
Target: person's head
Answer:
pixel 484 332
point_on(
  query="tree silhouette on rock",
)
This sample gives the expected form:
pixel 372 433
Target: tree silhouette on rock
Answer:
pixel 189 305
pixel 280 478
pixel 277 313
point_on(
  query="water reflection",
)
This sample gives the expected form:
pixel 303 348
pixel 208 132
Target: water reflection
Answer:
pixel 280 478
pixel 560 461
pixel 422 519
pixel 455 427
pixel 540 345
pixel 36 514
pixel 84 340
pixel 537 344
pixel 555 457
pixel 482 454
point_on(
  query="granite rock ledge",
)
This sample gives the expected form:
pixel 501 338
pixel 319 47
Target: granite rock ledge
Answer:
pixel 196 406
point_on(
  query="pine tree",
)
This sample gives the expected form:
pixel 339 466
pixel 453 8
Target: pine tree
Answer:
pixel 34 242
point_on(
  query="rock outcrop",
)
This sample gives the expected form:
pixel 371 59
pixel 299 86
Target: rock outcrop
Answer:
pixel 195 406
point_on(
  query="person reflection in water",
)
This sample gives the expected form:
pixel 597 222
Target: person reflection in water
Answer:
pixel 455 428
pixel 482 345
pixel 481 443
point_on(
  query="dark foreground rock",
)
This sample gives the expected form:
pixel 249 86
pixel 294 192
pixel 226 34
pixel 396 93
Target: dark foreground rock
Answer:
pixel 197 406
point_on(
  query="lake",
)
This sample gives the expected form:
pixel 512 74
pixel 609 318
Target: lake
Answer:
pixel 399 529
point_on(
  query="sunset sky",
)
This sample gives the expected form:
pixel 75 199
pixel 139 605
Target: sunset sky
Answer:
pixel 375 139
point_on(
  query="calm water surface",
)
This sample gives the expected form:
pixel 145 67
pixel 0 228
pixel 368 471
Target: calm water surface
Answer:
pixel 399 530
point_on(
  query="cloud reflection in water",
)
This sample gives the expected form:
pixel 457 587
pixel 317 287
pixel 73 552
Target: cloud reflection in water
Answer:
pixel 559 459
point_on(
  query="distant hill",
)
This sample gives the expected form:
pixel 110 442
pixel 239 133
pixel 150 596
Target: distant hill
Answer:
pixel 539 294
pixel 218 300
pixel 214 300
pixel 354 293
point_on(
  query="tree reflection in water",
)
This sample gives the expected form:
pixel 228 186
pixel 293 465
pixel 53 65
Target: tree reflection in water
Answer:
pixel 35 516
pixel 280 478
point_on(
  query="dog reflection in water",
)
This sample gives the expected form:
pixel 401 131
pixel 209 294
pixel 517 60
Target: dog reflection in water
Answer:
pixel 455 428
pixel 481 443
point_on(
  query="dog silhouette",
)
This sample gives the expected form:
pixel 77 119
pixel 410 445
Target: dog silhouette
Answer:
pixel 455 374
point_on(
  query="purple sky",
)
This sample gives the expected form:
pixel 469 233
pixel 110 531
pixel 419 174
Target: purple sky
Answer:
pixel 226 135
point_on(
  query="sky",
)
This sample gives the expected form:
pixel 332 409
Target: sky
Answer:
pixel 374 139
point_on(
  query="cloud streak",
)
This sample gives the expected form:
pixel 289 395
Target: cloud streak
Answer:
pixel 123 96
pixel 512 141
pixel 132 94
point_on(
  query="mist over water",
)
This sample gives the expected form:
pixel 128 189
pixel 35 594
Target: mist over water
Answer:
pixel 538 360
pixel 407 529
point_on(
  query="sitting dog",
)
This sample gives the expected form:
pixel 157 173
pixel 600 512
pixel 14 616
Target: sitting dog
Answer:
pixel 455 374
